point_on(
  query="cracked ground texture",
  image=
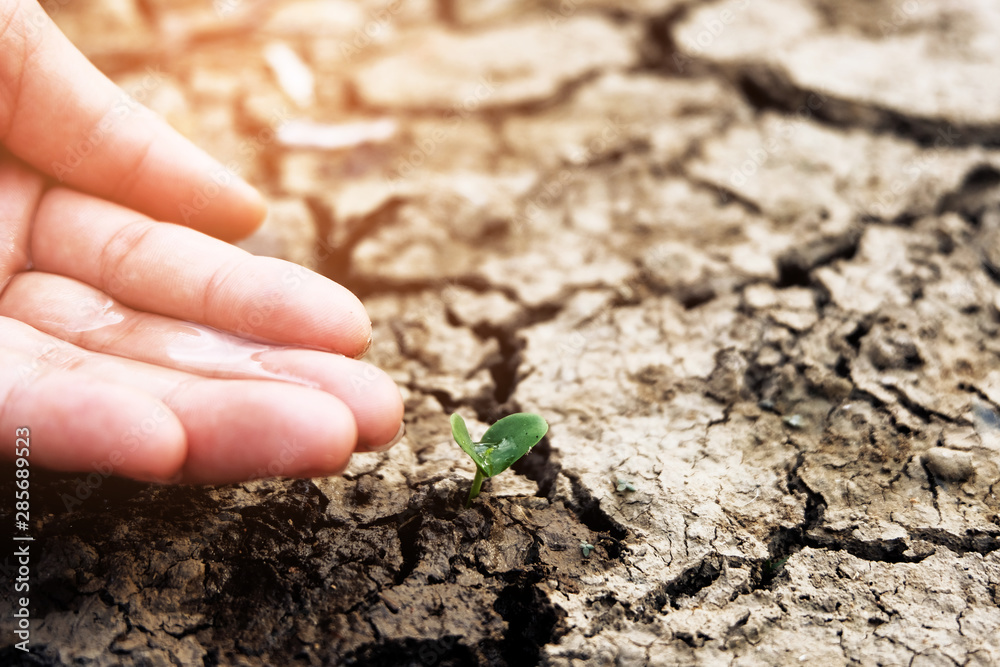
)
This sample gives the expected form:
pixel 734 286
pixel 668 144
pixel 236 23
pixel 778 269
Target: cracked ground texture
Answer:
pixel 744 255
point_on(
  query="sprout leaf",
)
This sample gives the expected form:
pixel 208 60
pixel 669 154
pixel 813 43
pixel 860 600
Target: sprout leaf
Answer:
pixel 509 439
pixel 460 432
pixel 503 443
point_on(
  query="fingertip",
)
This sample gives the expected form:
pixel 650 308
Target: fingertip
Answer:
pixel 245 213
pixel 346 327
pixel 157 457
pixel 314 310
pixel 334 441
pixel 378 410
pixel 362 339
pixel 263 429
pixel 368 392
pixel 368 345
pixel 235 212
pixel 387 445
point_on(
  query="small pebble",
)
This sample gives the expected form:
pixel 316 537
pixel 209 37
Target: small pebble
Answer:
pixel 795 421
pixel 949 464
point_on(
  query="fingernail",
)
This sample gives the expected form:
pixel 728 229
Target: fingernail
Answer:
pixel 163 481
pixel 395 440
pixel 368 346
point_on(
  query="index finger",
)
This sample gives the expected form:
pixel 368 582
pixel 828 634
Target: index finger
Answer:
pixel 61 115
pixel 178 272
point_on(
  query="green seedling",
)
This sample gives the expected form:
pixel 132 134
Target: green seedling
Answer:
pixel 624 485
pixel 503 443
pixel 585 549
pixel 771 567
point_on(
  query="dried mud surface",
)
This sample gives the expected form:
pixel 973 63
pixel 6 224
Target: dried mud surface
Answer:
pixel 743 255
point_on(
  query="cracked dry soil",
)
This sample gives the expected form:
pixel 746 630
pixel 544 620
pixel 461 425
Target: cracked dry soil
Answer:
pixel 745 255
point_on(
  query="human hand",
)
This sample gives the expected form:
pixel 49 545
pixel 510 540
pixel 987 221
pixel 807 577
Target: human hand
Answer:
pixel 113 352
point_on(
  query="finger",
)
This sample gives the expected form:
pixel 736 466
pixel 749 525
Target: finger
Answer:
pixel 180 273
pixel 87 318
pixel 234 429
pixel 61 115
pixel 77 422
pixel 21 190
pixel 245 429
pixel 371 395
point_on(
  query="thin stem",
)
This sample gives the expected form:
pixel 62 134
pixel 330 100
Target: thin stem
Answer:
pixel 477 482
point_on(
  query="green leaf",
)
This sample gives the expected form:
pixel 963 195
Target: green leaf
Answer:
pixel 460 432
pixel 503 443
pixel 508 440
